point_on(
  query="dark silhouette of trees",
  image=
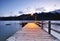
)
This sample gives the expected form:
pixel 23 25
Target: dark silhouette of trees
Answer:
pixel 39 16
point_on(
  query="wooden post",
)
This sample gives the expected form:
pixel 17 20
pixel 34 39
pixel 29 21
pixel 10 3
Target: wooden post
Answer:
pixel 35 18
pixel 42 25
pixel 49 27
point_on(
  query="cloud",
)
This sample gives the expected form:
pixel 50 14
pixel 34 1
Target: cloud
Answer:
pixel 42 9
pixel 20 12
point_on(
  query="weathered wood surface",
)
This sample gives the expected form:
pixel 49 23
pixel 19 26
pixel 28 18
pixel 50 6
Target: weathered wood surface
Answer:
pixel 31 32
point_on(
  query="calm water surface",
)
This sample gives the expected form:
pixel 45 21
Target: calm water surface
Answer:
pixel 8 28
pixel 55 27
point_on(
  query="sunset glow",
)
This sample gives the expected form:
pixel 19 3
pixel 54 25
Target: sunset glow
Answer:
pixel 32 26
pixel 12 7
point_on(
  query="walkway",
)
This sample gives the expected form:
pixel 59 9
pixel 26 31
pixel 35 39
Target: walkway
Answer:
pixel 31 32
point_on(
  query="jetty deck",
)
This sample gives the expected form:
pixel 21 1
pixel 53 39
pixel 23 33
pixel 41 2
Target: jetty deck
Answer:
pixel 31 32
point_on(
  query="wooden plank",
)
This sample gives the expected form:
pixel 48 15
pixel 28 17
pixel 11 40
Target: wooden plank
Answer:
pixel 31 32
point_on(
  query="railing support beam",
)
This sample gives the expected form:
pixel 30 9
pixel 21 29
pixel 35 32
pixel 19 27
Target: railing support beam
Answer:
pixel 49 28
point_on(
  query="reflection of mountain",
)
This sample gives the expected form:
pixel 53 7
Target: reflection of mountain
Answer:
pixel 54 15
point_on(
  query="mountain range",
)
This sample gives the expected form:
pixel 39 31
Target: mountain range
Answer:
pixel 53 15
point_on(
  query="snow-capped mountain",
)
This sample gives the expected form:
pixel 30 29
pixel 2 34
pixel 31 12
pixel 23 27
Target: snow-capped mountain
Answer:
pixel 56 11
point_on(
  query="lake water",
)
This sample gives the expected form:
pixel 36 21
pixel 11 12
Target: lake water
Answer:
pixel 8 28
pixel 55 27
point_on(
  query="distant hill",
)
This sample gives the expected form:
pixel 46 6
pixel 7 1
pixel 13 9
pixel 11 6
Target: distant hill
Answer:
pixel 56 11
pixel 53 15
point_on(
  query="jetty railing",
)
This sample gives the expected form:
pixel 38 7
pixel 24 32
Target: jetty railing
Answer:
pixel 47 26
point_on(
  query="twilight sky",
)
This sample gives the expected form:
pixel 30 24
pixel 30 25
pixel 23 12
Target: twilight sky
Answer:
pixel 17 7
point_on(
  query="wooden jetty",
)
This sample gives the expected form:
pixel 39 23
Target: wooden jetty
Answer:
pixel 31 32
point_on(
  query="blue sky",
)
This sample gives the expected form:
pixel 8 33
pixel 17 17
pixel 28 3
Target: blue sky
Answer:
pixel 12 7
